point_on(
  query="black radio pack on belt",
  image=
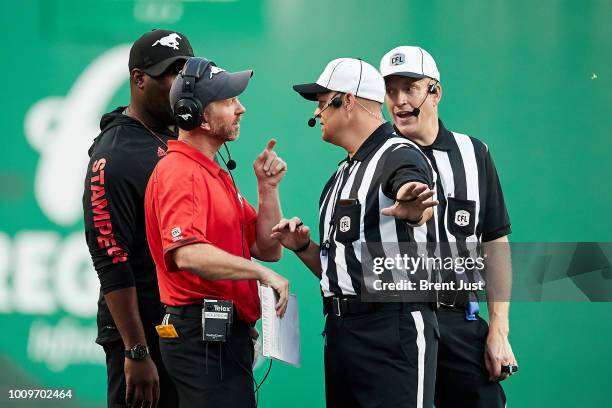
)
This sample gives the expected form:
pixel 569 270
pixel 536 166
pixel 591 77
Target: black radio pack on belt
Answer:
pixel 216 319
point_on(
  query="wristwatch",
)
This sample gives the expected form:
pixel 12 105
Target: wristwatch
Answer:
pixel 138 352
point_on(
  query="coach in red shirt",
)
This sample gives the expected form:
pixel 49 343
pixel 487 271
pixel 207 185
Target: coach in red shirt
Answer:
pixel 202 234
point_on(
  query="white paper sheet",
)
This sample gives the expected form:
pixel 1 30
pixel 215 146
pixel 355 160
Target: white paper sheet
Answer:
pixel 281 336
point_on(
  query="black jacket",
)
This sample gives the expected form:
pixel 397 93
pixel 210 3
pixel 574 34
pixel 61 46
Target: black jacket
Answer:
pixel 122 158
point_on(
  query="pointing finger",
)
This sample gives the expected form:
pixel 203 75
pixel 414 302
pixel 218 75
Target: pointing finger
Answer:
pixel 271 144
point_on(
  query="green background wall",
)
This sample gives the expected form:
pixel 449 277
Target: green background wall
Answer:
pixel 531 79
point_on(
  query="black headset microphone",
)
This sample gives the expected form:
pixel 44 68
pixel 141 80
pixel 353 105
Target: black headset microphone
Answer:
pixel 432 90
pixel 231 163
pixel 336 102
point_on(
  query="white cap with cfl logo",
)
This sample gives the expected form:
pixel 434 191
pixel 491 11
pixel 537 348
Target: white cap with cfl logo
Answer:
pixel 414 62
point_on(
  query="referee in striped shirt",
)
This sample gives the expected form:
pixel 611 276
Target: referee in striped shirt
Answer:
pixel 376 354
pixel 471 210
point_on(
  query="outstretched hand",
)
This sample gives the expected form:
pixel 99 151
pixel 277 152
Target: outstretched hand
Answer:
pixel 411 203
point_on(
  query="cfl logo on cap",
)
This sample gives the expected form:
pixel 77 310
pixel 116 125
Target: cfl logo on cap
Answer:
pixel 462 218
pixel 398 59
pixel 345 223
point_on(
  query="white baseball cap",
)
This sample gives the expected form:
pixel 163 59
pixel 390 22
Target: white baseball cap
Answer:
pixel 409 61
pixel 347 75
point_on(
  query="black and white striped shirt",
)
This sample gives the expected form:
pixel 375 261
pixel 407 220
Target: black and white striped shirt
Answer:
pixel 372 178
pixel 472 207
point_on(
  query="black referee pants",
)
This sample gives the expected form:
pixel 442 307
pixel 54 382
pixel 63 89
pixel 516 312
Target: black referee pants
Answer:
pixel 115 357
pixel 219 375
pixel 462 378
pixel 382 359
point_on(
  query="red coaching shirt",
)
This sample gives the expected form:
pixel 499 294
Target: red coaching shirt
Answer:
pixel 190 199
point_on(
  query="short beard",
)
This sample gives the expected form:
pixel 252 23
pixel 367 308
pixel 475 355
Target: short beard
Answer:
pixel 223 132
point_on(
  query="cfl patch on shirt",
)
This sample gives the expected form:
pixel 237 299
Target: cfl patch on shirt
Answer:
pixel 461 214
pixel 176 233
pixel 462 218
pixel 345 223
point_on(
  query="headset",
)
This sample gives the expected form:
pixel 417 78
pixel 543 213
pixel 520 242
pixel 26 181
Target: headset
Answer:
pixel 336 101
pixel 431 90
pixel 188 109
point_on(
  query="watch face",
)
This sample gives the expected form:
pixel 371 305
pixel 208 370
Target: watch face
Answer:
pixel 139 352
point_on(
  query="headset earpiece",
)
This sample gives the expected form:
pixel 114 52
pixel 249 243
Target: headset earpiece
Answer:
pixel 188 113
pixel 336 102
pixel 188 109
pixel 433 88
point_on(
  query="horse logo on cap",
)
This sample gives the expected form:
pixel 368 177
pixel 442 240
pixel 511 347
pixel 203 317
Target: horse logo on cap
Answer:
pixel 171 41
pixel 215 70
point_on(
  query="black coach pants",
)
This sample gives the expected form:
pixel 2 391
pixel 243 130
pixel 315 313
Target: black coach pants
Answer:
pixel 218 375
pixel 462 378
pixel 115 357
pixel 382 359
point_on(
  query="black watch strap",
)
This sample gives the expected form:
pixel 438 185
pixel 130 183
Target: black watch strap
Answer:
pixel 303 247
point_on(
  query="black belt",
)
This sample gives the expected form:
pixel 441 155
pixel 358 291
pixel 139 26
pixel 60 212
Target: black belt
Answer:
pixel 193 311
pixel 345 306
